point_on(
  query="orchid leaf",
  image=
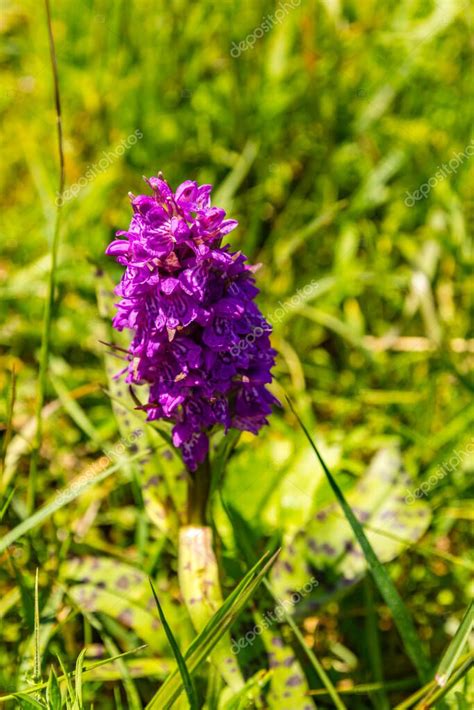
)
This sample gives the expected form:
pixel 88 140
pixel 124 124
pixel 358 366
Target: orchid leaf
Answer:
pixel 288 684
pixel 327 548
pixel 122 592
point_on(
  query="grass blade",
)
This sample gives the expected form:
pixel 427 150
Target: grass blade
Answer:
pixel 75 411
pixel 133 697
pixel 61 499
pixel 53 692
pixel 187 681
pixel 433 697
pixel 6 504
pixel 48 309
pixel 37 661
pixel 9 425
pixel 367 688
pixel 455 648
pixel 78 677
pixel 66 676
pixel 204 642
pixel 385 585
pixel 373 645
pixel 242 166
pixel 27 702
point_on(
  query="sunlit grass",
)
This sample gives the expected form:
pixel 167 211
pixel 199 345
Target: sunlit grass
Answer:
pixel 313 138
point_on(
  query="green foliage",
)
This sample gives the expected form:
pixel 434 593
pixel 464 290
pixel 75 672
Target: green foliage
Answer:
pixel 315 138
pixel 187 680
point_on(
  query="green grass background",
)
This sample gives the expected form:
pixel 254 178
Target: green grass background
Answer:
pixel 312 138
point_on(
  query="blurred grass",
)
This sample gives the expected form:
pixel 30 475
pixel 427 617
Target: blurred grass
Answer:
pixel 313 139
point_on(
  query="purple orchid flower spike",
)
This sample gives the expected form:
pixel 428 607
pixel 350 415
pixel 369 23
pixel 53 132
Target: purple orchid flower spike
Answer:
pixel 200 341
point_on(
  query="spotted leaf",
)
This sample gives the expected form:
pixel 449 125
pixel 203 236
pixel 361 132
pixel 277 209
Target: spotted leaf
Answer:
pixel 326 547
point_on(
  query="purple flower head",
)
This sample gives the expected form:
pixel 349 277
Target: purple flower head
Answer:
pixel 200 342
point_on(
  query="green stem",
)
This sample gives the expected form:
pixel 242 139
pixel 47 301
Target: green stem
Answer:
pixel 198 494
pixel 47 318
